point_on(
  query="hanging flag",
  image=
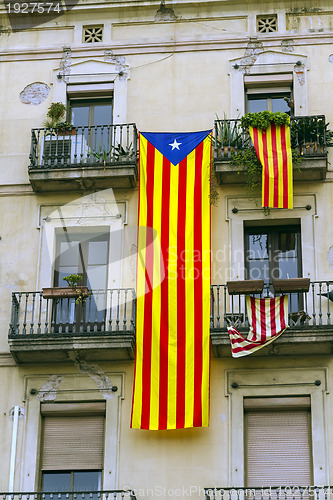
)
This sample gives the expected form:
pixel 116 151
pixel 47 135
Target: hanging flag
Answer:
pixel 274 152
pixel 268 319
pixel 171 381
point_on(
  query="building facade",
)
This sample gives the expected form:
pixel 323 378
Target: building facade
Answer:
pixel 69 199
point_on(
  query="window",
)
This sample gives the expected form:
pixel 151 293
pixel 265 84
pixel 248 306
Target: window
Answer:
pixel 271 101
pixel 86 254
pixel 274 253
pixel 272 92
pixel 277 441
pixel 72 446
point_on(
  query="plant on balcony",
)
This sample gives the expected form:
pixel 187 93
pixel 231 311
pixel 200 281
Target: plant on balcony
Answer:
pixel 229 136
pixel 264 119
pixel 81 291
pixel 120 153
pixel 56 119
pixel 102 153
pixel 73 290
pixel 310 134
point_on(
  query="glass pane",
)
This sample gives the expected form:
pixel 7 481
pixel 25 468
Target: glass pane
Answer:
pixel 98 252
pixel 69 253
pixel 279 104
pixel 258 246
pixel 80 116
pixel 287 244
pixel 259 270
pixel 87 481
pixel 56 481
pixel 96 277
pixel 102 114
pixel 256 105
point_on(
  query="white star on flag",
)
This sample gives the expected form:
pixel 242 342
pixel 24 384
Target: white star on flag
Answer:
pixel 175 144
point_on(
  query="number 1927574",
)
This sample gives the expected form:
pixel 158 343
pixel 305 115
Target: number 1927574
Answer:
pixel 33 7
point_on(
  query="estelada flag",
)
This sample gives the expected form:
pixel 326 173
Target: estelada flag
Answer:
pixel 268 319
pixel 171 381
pixel 274 152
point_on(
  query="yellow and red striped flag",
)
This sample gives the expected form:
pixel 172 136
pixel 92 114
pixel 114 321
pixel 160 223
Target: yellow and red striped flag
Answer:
pixel 274 152
pixel 268 319
pixel 171 381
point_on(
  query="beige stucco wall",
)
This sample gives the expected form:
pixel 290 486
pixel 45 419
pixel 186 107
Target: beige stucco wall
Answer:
pixel 178 80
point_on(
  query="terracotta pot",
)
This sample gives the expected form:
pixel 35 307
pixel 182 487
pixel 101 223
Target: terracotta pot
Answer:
pixel 66 131
pixel 64 292
pixel 291 285
pixel 245 287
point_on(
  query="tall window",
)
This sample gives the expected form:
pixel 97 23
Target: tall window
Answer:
pixel 274 253
pixel 271 101
pixel 277 441
pixel 72 446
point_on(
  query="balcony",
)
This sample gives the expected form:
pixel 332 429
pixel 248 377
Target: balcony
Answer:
pixel 70 495
pixel 101 327
pixel 79 158
pixel 309 138
pixel 310 324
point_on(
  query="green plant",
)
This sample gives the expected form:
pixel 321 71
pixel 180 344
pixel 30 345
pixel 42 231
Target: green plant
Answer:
pixel 73 281
pixel 263 119
pixel 119 151
pixel 213 192
pixel 102 153
pixel 229 135
pixel 55 114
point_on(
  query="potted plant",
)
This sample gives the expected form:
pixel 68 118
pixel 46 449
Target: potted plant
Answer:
pixel 73 290
pixel 102 153
pixel 245 287
pixel 229 136
pixel 120 153
pixel 56 119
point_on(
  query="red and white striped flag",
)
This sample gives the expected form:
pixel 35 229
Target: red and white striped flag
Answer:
pixel 268 319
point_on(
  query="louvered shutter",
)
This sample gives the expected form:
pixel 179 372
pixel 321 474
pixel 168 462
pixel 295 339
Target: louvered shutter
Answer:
pixel 72 442
pixel 278 448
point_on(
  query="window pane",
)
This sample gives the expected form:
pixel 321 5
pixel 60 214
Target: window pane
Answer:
pixel 256 105
pixel 279 104
pixel 87 481
pixel 102 114
pixel 69 253
pixel 259 270
pixel 56 481
pixel 80 116
pixel 258 246
pixel 97 252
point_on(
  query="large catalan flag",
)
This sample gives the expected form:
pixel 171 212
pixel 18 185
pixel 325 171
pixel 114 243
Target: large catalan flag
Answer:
pixel 171 385
pixel 274 152
pixel 268 319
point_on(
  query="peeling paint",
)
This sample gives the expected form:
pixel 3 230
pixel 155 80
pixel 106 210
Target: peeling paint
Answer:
pixel 330 257
pixel 287 45
pixel 300 73
pixel 65 63
pixel 119 61
pixel 34 93
pixel 330 58
pixel 165 14
pixel 252 51
pixel 96 373
pixel 48 391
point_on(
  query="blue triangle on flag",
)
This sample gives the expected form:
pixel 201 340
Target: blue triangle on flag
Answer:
pixel 175 146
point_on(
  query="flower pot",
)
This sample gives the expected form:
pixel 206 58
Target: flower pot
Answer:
pixel 66 131
pixel 65 292
pixel 291 285
pixel 245 287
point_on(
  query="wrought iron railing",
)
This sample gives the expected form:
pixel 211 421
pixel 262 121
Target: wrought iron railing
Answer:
pixel 102 311
pixel 114 310
pixel 309 137
pixel 102 145
pixel 84 495
pixel 308 309
pixel 270 493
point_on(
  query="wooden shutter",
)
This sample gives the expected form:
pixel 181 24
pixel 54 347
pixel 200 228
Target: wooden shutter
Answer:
pixel 72 442
pixel 278 448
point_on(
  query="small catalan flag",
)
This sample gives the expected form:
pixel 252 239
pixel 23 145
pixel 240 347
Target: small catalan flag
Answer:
pixel 274 152
pixel 171 381
pixel 268 319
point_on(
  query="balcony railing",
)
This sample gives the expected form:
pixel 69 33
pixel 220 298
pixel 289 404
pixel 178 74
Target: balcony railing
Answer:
pixel 102 312
pixel 114 310
pixel 86 495
pixel 95 146
pixel 270 493
pixel 308 309
pixel 309 137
